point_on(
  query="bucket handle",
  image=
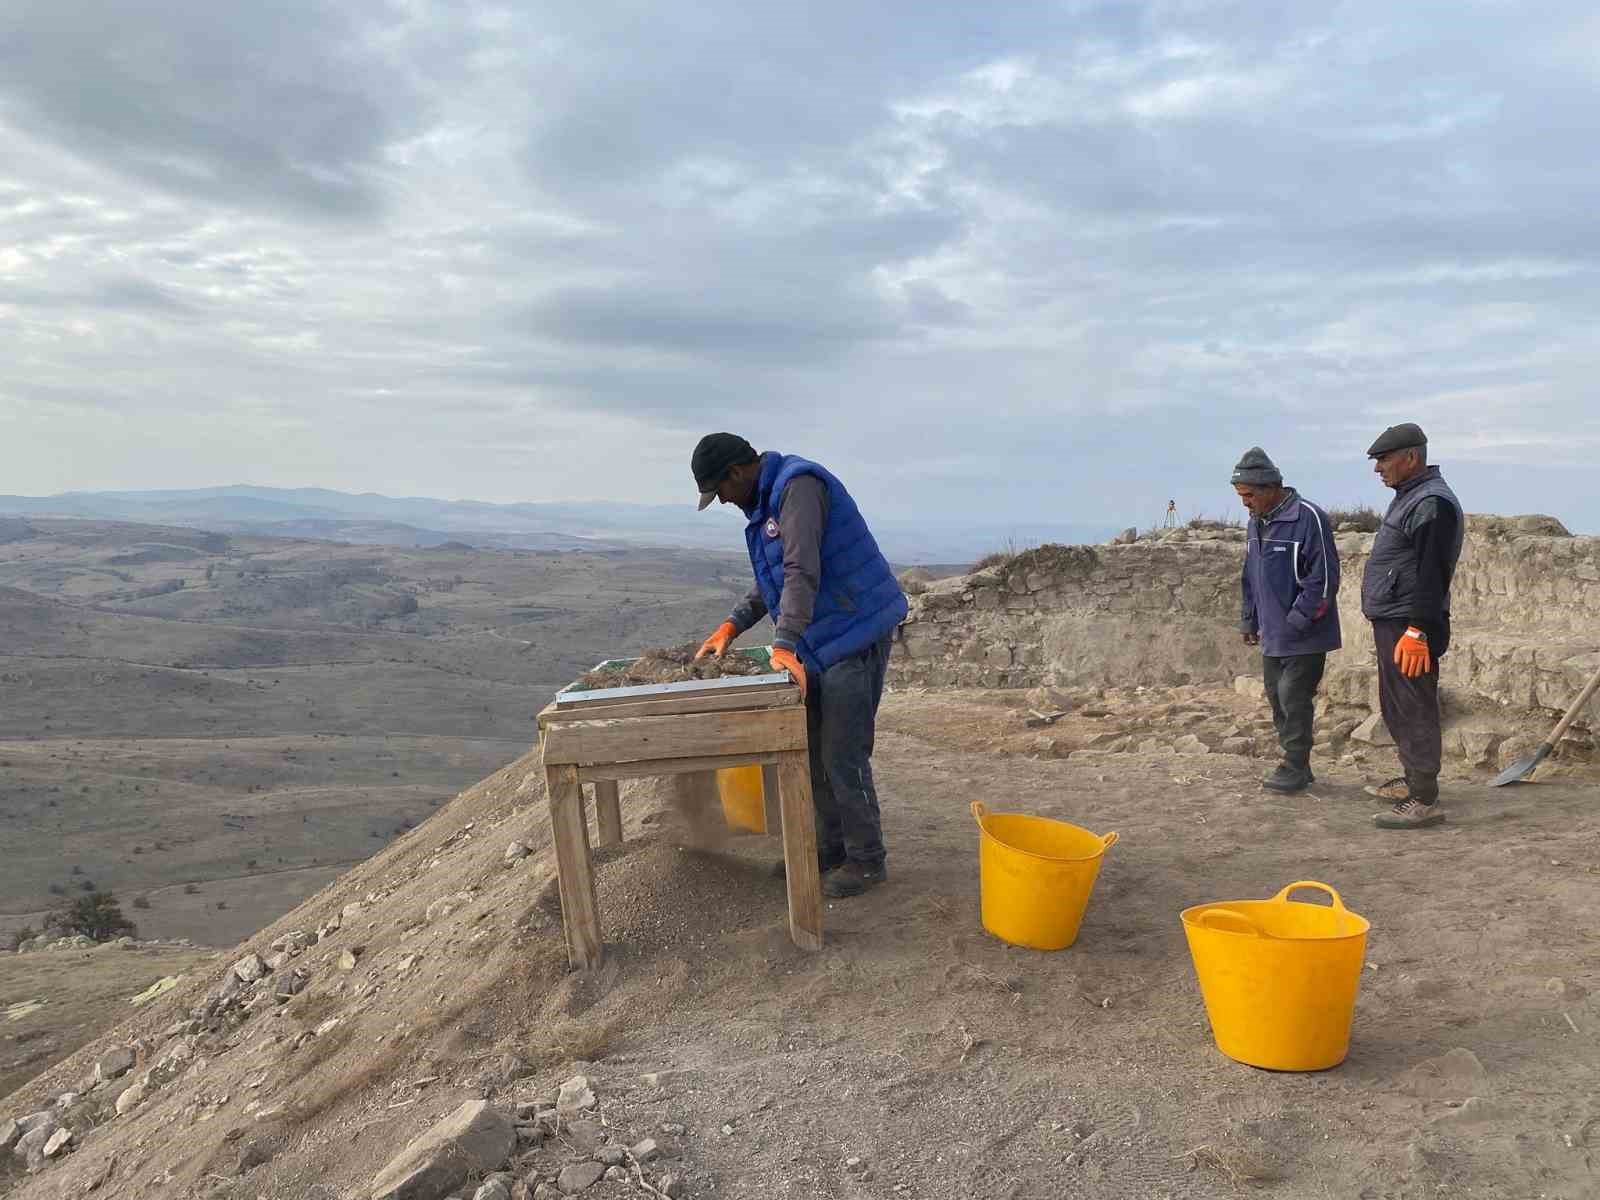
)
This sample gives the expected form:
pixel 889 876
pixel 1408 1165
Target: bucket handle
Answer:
pixel 1283 896
pixel 980 810
pixel 1226 914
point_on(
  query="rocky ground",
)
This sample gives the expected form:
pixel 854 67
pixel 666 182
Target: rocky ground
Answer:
pixel 422 1001
pixel 64 992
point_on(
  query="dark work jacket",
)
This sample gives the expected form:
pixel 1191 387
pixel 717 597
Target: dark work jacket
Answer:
pixel 1389 587
pixel 1290 582
pixel 859 601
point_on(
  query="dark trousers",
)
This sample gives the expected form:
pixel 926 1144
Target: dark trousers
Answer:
pixel 841 714
pixel 1410 707
pixel 1292 691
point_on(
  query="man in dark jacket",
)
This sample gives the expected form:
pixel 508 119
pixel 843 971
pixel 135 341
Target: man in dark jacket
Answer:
pixel 820 576
pixel 1291 606
pixel 1405 593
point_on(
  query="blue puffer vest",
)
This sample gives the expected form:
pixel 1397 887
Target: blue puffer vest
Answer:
pixel 859 600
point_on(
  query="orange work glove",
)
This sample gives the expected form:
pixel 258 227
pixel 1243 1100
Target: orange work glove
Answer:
pixel 1411 653
pixel 786 661
pixel 717 643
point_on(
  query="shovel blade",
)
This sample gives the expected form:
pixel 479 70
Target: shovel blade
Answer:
pixel 1519 771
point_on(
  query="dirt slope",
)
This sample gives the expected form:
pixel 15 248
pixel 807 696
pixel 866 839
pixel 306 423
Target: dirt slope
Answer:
pixel 949 1064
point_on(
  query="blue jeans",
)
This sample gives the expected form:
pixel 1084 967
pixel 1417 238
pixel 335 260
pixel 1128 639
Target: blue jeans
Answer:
pixel 841 711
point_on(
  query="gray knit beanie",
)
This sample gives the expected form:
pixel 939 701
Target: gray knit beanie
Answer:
pixel 1257 469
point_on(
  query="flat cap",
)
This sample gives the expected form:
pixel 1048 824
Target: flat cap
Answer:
pixel 1398 437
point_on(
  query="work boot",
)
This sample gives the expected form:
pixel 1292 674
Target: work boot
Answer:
pixel 853 878
pixel 1393 790
pixel 825 863
pixel 1288 779
pixel 1410 813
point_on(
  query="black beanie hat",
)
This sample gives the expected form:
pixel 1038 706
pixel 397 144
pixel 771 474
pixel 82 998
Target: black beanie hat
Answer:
pixel 1257 469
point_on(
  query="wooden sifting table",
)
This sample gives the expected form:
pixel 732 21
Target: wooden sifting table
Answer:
pixel 600 737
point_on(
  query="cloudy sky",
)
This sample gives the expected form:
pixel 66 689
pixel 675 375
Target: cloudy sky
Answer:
pixel 1032 260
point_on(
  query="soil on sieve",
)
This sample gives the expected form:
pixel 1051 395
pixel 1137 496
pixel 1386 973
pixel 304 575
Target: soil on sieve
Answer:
pixel 916 1055
pixel 671 664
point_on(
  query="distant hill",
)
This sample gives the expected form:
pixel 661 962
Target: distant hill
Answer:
pixel 371 519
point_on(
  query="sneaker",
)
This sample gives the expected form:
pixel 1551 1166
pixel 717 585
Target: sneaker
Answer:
pixel 1288 779
pixel 1393 790
pixel 853 878
pixel 1409 813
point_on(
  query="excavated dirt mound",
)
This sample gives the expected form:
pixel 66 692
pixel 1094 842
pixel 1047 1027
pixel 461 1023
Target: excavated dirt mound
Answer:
pixel 672 664
pixel 915 1056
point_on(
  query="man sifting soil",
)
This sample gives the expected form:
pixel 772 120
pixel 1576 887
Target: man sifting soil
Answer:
pixel 1290 585
pixel 821 577
pixel 1405 593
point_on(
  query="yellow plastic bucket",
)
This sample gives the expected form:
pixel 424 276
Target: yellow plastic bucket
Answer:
pixel 1279 977
pixel 743 803
pixel 1035 876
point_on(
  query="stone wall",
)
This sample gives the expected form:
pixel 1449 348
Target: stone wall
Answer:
pixel 1163 610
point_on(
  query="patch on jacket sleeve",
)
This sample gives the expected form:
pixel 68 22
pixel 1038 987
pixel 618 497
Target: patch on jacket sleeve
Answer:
pixel 771 527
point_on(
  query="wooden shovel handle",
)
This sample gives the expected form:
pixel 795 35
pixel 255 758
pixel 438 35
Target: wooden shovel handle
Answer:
pixel 1577 707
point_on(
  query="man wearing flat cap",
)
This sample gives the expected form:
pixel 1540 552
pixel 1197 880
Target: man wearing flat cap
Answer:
pixel 1291 606
pixel 821 578
pixel 1405 593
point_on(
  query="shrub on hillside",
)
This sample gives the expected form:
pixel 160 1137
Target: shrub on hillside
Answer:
pixel 25 934
pixel 96 916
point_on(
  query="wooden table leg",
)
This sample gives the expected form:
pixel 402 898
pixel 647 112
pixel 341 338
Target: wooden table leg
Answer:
pixel 570 832
pixel 769 798
pixel 607 813
pixel 800 849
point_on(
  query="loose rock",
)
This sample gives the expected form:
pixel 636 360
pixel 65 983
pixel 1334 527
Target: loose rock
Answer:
pixel 10 1134
pixel 249 968
pixel 516 852
pixel 29 1150
pixel 585 1136
pixel 493 1190
pixel 256 1154
pixel 646 1150
pixel 672 1186
pixel 58 1141
pixel 348 960
pixel 611 1156
pixel 130 1099
pixel 578 1177
pixel 575 1096
pixel 113 1064
pixel 616 1175
pixel 44 1118
pixel 472 1140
